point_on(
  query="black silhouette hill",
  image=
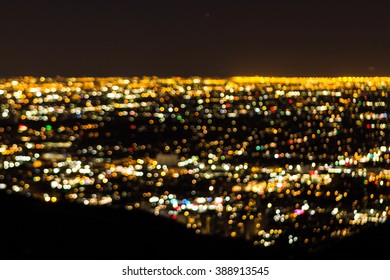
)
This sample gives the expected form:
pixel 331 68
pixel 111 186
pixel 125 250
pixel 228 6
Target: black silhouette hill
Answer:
pixel 32 229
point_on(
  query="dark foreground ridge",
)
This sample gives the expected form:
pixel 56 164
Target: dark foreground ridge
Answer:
pixel 31 229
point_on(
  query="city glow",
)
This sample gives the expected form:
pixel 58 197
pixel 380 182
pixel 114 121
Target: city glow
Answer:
pixel 260 158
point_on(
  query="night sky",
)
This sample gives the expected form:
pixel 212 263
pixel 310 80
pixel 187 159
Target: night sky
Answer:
pixel 184 38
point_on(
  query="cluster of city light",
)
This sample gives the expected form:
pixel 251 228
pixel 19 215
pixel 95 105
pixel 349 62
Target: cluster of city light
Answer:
pixel 261 158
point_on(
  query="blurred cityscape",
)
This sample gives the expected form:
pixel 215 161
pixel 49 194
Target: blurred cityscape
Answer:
pixel 267 159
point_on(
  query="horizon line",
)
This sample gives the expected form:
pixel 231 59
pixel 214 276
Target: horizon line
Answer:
pixel 197 76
